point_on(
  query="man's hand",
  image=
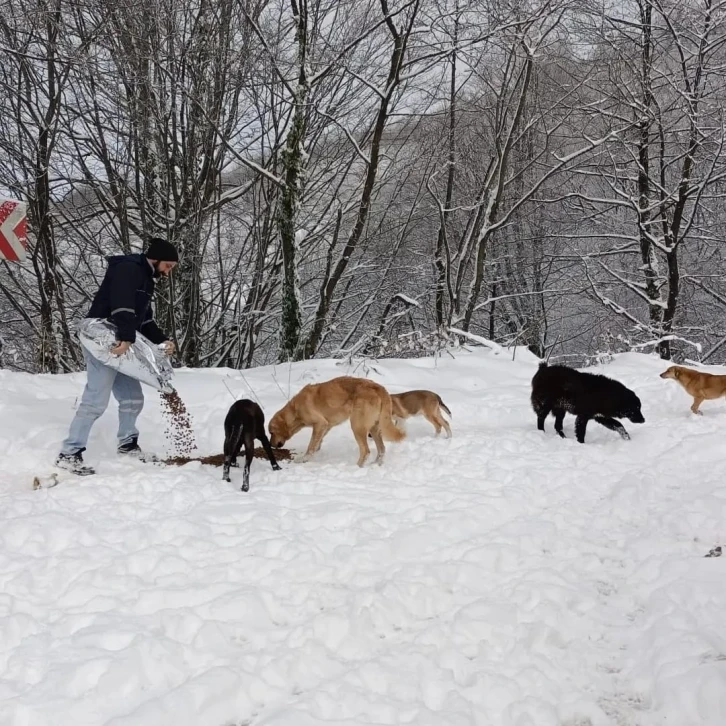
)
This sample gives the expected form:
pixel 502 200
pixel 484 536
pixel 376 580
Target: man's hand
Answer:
pixel 121 347
pixel 169 347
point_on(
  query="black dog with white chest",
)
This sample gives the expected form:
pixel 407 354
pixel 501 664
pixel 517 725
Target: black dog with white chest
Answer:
pixel 560 389
pixel 245 422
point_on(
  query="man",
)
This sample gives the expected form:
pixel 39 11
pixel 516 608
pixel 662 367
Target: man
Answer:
pixel 124 298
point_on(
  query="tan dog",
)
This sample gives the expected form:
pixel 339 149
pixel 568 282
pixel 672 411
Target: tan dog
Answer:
pixel 426 403
pixel 702 386
pixel 324 405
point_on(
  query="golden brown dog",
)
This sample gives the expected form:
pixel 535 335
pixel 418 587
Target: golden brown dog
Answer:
pixel 324 405
pixel 702 386
pixel 426 403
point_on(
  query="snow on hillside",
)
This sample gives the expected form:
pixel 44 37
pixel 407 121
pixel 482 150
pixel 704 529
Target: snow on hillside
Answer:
pixel 502 578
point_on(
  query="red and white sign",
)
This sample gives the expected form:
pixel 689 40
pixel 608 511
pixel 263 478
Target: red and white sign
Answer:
pixel 13 230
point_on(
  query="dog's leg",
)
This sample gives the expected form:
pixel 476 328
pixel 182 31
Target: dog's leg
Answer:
pixel 613 425
pixel 325 430
pixel 380 446
pixel 249 455
pixel 542 412
pixel 231 447
pixel 446 426
pixel 361 437
pixel 241 436
pixel 697 401
pixel 433 421
pixel 559 418
pixel 361 424
pixel 581 427
pixel 320 428
pixel 440 422
pixel 262 436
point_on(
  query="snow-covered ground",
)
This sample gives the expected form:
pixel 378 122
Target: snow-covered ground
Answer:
pixel 502 578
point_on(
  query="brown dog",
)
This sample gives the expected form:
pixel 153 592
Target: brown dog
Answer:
pixel 324 405
pixel 702 386
pixel 426 403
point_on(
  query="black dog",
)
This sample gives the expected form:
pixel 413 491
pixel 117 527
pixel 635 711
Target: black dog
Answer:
pixel 245 422
pixel 559 389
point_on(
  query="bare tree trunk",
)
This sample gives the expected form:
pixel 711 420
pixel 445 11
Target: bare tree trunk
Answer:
pixel 655 310
pixel 293 159
pixel 674 232
pixel 442 255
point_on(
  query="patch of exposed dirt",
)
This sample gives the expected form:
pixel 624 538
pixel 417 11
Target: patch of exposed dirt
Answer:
pixel 218 459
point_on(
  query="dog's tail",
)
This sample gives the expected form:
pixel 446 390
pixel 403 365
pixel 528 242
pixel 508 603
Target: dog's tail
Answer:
pixel 389 430
pixel 444 407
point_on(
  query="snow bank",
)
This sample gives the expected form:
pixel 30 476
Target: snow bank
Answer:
pixel 502 578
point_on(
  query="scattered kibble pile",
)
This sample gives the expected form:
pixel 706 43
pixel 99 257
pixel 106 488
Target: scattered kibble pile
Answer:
pixel 178 424
pixel 218 459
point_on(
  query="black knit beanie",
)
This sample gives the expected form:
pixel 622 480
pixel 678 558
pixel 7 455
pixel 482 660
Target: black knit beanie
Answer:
pixel 162 250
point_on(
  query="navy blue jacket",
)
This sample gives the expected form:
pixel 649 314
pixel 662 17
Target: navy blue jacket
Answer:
pixel 124 298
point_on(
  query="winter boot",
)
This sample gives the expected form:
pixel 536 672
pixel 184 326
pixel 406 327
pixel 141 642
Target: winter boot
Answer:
pixel 74 464
pixel 132 450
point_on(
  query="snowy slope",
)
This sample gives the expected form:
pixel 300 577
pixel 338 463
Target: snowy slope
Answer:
pixel 503 578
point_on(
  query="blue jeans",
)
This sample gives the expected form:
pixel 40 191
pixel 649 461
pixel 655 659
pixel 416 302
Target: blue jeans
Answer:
pixel 102 382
